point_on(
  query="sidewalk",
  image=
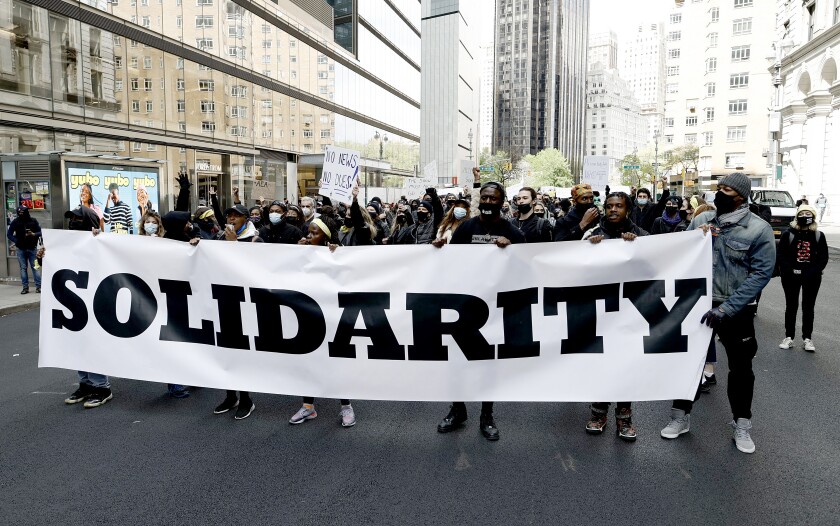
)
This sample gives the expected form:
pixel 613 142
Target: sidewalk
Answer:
pixel 11 300
pixel 832 236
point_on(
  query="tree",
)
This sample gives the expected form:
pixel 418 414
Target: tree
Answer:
pixel 638 178
pixel 682 159
pixel 504 171
pixel 550 168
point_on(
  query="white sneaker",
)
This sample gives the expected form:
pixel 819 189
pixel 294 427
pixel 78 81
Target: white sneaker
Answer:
pixel 809 345
pixel 348 417
pixel 303 414
pixel 678 425
pixel 741 437
pixel 787 343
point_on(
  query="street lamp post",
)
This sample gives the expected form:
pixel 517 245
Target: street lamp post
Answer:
pixel 382 140
pixel 470 136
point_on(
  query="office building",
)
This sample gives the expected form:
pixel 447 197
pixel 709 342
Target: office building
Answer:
pixel 540 84
pixel 603 50
pixel 643 67
pixel 486 96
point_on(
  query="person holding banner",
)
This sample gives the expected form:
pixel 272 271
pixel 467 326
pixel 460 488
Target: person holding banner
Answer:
pixel 457 215
pixel 536 229
pixel 744 251
pixel 278 229
pixel 579 218
pixel 488 228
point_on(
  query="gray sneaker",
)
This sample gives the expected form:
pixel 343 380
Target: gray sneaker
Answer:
pixel 741 436
pixel 678 425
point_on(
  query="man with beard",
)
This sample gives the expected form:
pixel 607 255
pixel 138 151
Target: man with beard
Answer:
pixel 744 255
pixel 488 227
pixel 536 229
pixel 580 218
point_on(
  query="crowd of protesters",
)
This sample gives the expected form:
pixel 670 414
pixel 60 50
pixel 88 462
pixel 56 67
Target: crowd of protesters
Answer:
pixel 744 255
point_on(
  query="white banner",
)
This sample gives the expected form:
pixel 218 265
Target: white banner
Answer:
pixel 340 172
pixel 566 321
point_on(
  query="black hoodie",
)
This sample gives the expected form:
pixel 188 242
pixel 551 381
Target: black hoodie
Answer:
pixel 18 228
pixel 174 223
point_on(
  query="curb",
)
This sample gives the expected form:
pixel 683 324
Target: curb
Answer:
pixel 835 251
pixel 5 311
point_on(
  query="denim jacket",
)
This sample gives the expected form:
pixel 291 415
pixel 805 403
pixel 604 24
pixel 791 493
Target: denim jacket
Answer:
pixel 743 258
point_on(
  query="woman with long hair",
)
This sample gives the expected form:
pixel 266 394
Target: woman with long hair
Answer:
pixel 458 213
pixel 86 200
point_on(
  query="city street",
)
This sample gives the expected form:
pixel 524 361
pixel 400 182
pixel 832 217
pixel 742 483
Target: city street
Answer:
pixel 144 458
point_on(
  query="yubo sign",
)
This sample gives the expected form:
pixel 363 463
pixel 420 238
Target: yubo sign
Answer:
pixel 534 324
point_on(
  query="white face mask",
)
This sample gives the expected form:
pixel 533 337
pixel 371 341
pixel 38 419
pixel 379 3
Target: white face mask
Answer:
pixel 307 210
pixel 275 217
pixel 459 213
pixel 150 228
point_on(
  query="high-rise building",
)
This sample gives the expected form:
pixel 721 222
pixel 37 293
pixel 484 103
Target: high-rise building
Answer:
pixel 615 126
pixel 233 93
pixel 718 89
pixel 643 67
pixel 540 85
pixel 808 49
pixel 603 50
pixel 486 106
pixel 450 86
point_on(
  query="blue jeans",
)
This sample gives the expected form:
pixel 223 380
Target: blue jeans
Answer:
pixel 27 258
pixel 93 379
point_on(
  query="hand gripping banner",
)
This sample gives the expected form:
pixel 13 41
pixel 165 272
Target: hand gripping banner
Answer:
pixel 572 321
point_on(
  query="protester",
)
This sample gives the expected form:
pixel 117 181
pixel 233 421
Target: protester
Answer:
pixel 802 257
pixel 578 219
pixel 489 227
pixel 278 229
pixel 307 206
pixel 822 204
pixel 744 257
pixel 672 219
pixel 403 220
pixel 178 226
pixel 536 229
pixel 237 228
pixel 374 210
pixel 359 228
pixel 255 216
pixel 459 210
pixel 205 219
pixel 294 216
pixel 645 210
pixel 24 231
pixel 616 224
pixel 540 211
pixel 86 200
pixel 429 215
pixel 118 214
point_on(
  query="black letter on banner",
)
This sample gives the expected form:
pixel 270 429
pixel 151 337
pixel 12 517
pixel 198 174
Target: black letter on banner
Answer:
pixel 141 313
pixel 581 315
pixel 229 301
pixel 69 299
pixel 372 306
pixel 177 328
pixel 518 324
pixel 429 329
pixel 665 327
pixel 311 325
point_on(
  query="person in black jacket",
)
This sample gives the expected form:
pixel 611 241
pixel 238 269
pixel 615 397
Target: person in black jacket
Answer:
pixel 24 232
pixel 429 215
pixel 580 217
pixel 802 255
pixel 278 230
pixel 645 210
pixel 359 228
pixel 536 229
pixel 672 219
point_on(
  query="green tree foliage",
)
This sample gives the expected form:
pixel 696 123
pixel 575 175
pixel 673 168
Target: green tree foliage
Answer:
pixel 682 159
pixel 550 168
pixel 503 170
pixel 644 176
pixel 401 155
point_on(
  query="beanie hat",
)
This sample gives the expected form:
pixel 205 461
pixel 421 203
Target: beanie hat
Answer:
pixel 805 208
pixel 376 199
pixel 427 205
pixel 677 200
pixel 375 203
pixel 738 182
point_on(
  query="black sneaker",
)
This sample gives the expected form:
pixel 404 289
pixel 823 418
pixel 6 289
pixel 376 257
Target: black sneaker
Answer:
pixel 226 406
pixel 38 290
pixel 25 290
pixel 711 380
pixel 705 386
pixel 99 397
pixel 244 411
pixel 80 395
pixel 488 428
pixel 452 421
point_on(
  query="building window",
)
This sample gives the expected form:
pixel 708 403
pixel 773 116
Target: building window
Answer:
pixel 738 107
pixel 743 3
pixel 307 134
pixel 735 160
pixel 674 36
pixel 135 106
pixel 714 14
pixel 145 21
pixel 179 84
pixel 673 87
pixel 325 134
pixel 266 28
pixel 669 122
pixel 208 126
pixel 239 91
pixel 710 114
pixel 322 74
pixel 708 138
pixel 711 65
pixel 118 85
pixel 673 71
pixel 669 139
pixel 691 120
pixel 179 64
pixel 236 32
pixel 150 106
pixel 736 134
pixel 740 53
pixel 136 146
pixel 204 44
pixel 812 19
pixel 147 62
pixel 267 103
pixel 674 53
pixel 237 111
pixel 742 26
pixel 266 44
pixel 836 11
pixel 181 106
pixel 179 21
pixel 238 131
pixel 322 59
pixel 691 138
pixel 207 106
pixel 135 84
pixel 676 18
pixel 202 21
pixel 713 39
pixel 182 127
pixel 325 118
pixel 710 89
pixel 739 80
pixel 203 2
pixel 206 85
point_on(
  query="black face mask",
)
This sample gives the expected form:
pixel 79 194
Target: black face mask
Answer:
pixel 672 210
pixel 724 203
pixel 683 215
pixel 400 218
pixel 583 207
pixel 490 209
pixel 257 221
pixel 805 221
pixel 524 209
pixel 422 216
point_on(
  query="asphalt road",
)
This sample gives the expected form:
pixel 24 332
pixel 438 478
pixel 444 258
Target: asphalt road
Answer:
pixel 146 459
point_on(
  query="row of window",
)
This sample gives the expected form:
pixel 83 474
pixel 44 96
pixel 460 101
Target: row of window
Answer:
pixel 736 81
pixel 740 26
pixel 676 18
pixel 733 134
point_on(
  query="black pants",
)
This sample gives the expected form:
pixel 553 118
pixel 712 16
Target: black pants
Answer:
pixel 311 400
pixel 810 286
pixel 737 334
pixel 244 396
pixel 486 408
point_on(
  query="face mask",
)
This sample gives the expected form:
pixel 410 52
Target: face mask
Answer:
pixel 275 217
pixel 307 210
pixel 400 218
pixel 459 213
pixel 490 209
pixel 257 221
pixel 524 209
pixel 422 216
pixel 414 206
pixel 373 216
pixel 583 207
pixel 724 203
pixel 805 221
pixel 641 201
pixel 150 228
pixel 597 201
pixel 292 219
pixel 683 215
pixel 671 210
